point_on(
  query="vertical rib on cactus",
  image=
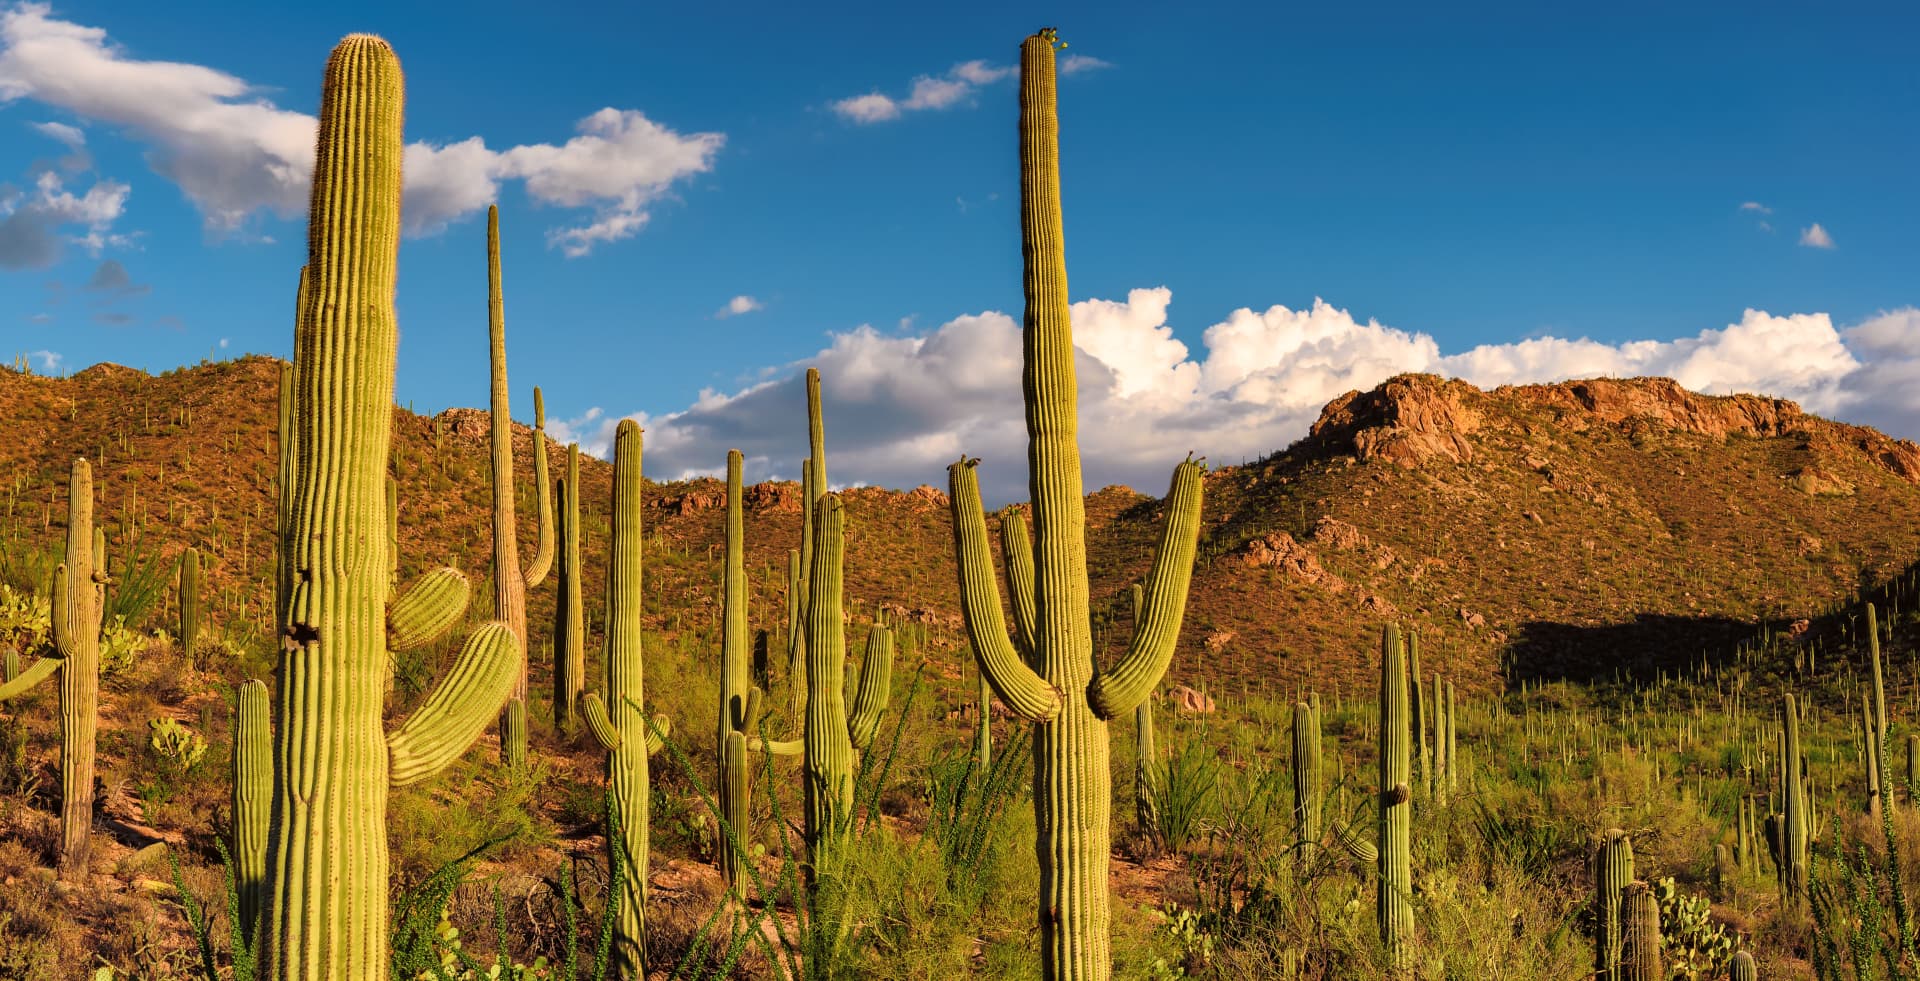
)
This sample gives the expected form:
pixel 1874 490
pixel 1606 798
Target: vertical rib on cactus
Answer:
pixel 829 746
pixel 626 691
pixel 1640 922
pixel 252 801
pixel 327 854
pixel 1394 894
pixel 510 581
pixel 734 682
pixel 1056 689
pixel 76 637
pixel 1306 780
pixel 1612 870
pixel 189 601
pixel 1018 554
pixel 1742 968
pixel 569 620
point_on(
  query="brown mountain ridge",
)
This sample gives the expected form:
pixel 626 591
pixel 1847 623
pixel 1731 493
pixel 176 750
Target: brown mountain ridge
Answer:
pixel 1576 528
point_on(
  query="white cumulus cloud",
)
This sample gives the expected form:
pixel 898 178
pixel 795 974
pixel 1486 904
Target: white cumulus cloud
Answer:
pixel 236 154
pixel 900 408
pixel 737 306
pixel 1815 237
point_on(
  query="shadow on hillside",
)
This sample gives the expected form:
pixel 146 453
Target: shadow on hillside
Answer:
pixel 1639 648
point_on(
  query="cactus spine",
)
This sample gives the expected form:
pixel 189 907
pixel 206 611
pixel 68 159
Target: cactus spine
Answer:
pixel 333 762
pixel 1612 870
pixel 569 621
pixel 510 582
pixel 252 801
pixel 1055 688
pixel 189 601
pixel 1306 779
pixel 1640 949
pixel 735 778
pixel 1394 895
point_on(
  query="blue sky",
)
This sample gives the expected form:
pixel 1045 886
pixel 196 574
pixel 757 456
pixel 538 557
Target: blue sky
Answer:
pixel 1446 179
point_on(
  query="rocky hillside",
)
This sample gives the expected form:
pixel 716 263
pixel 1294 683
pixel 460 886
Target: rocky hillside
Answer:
pixel 1578 528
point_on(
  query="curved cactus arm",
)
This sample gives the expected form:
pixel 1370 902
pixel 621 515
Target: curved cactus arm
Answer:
pixel 599 722
pixel 469 697
pixel 427 609
pixel 1017 684
pixel 876 686
pixel 25 680
pixel 543 493
pixel 659 728
pixel 1018 551
pixel 777 747
pixel 1164 604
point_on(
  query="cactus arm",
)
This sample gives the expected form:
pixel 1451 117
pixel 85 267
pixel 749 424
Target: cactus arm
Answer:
pixel 472 693
pixel 777 747
pixel 1018 685
pixel 26 680
pixel 427 609
pixel 658 731
pixel 1164 603
pixel 598 722
pixel 542 491
pixel 1018 552
pixel 876 682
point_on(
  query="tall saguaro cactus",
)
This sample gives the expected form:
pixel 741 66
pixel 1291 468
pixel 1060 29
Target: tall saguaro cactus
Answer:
pixel 1795 823
pixel 570 611
pixel 252 800
pixel 333 761
pixel 1394 897
pixel 619 723
pixel 1640 923
pixel 1054 686
pixel 832 733
pixel 79 589
pixel 189 589
pixel 1612 871
pixel 735 781
pixel 510 582
pixel 1306 780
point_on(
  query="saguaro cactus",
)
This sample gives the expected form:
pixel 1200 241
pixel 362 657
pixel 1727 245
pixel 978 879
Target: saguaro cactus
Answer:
pixel 510 582
pixel 333 761
pixel 1146 767
pixel 620 722
pixel 1055 687
pixel 1795 823
pixel 1425 758
pixel 1640 919
pixel 1612 870
pixel 733 722
pixel 78 596
pixel 189 589
pixel 570 612
pixel 1306 779
pixel 1742 968
pixel 1394 896
pixel 252 800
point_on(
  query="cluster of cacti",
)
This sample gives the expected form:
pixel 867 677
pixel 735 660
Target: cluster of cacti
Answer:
pixel 1394 891
pixel 1048 679
pixel 333 759
pixel 510 581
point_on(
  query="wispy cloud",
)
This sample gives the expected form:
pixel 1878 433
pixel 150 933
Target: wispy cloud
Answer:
pixel 50 361
pixel 1815 237
pixel 955 87
pixel 737 306
pixel 1756 207
pixel 237 155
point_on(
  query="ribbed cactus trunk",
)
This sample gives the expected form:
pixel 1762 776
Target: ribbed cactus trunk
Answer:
pixel 828 763
pixel 1640 949
pixel 1441 764
pixel 570 610
pixel 983 727
pixel 189 589
pixel 510 582
pixel 626 694
pixel 1612 871
pixel 1742 968
pixel 1394 895
pixel 1047 678
pixel 797 641
pixel 252 801
pixel 1795 822
pixel 332 761
pixel 1306 781
pixel 77 641
pixel 1453 743
pixel 735 779
pixel 1146 777
pixel 1425 756
pixel 328 860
